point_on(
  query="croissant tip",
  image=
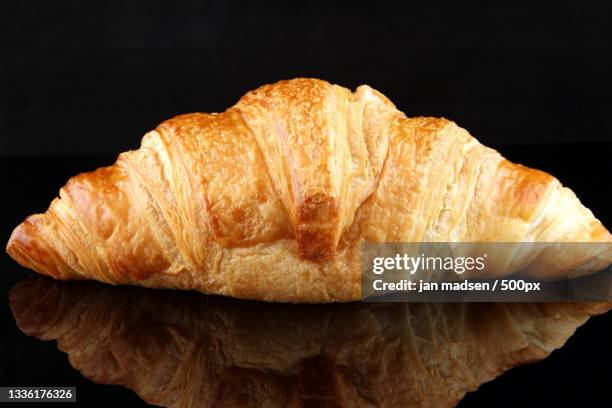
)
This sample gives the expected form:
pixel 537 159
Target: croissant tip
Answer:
pixel 14 240
pixel 27 247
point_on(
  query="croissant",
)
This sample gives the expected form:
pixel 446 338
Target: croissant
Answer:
pixel 188 350
pixel 270 199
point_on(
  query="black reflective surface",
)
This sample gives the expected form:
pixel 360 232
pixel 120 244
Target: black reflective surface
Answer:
pixel 576 375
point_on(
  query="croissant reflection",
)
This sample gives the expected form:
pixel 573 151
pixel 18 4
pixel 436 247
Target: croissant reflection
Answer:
pixel 187 349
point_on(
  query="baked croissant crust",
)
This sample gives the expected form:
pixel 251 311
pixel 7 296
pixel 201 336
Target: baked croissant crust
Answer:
pixel 183 349
pixel 270 199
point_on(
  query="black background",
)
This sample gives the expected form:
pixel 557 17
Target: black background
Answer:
pixel 92 77
pixel 82 81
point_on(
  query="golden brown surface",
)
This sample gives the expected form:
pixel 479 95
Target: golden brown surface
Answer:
pixel 270 200
pixel 188 350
